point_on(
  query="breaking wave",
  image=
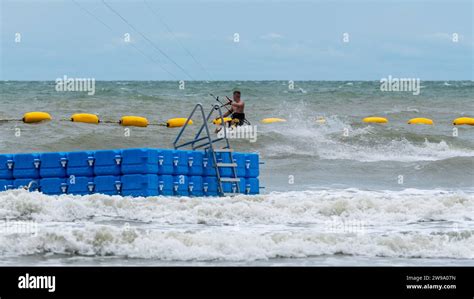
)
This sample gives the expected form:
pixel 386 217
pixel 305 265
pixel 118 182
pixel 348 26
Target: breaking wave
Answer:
pixel 245 228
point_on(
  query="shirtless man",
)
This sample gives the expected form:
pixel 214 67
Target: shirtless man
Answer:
pixel 237 110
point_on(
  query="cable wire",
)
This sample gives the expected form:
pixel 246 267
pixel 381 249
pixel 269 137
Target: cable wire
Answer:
pixel 176 39
pixel 147 39
pixel 133 46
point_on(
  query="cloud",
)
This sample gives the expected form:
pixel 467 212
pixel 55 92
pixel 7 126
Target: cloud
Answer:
pixel 401 50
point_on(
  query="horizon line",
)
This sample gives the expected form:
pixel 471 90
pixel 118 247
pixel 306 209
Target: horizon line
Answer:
pixel 264 80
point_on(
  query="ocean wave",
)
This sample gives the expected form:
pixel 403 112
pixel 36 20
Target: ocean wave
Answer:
pixel 235 244
pixel 366 149
pixel 339 138
pixel 412 224
pixel 298 207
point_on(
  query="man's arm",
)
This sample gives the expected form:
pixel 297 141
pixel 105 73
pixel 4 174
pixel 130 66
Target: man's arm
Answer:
pixel 227 113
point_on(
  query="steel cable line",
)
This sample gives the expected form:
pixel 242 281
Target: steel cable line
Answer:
pixel 176 39
pixel 147 39
pixel 135 47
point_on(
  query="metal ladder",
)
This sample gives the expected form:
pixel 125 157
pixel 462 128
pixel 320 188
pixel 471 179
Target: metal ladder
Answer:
pixel 207 142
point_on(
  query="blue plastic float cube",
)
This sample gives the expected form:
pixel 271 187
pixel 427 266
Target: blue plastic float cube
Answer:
pixel 224 157
pixel 165 162
pixel 53 165
pixel 31 184
pixel 195 159
pixel 80 164
pixel 208 164
pixel 251 165
pixel 210 170
pixel 53 186
pixel 140 185
pixel 6 185
pixel 108 184
pixel 180 163
pixel 165 184
pixel 210 186
pixel 251 186
pixel 108 162
pixel 239 159
pixel 6 167
pixel 196 186
pixel 26 166
pixel 231 187
pixel 80 185
pixel 140 161
pixel 180 185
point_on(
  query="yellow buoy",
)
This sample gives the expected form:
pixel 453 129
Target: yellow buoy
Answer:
pixel 463 121
pixel 218 121
pixel 36 117
pixel 134 121
pixel 177 122
pixel 420 121
pixel 272 120
pixel 375 119
pixel 85 118
pixel 321 120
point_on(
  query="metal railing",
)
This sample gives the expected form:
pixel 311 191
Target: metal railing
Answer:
pixel 207 142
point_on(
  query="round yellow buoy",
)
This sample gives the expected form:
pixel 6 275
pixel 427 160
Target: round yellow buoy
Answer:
pixel 85 118
pixel 134 121
pixel 375 119
pixel 178 122
pixel 36 117
pixel 420 121
pixel 272 120
pixel 218 121
pixel 321 120
pixel 463 121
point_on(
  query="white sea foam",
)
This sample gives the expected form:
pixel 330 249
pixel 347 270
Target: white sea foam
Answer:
pixel 409 223
pixel 365 144
pixel 276 208
pixel 400 150
pixel 234 244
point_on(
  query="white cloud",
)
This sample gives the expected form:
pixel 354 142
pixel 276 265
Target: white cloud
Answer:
pixel 401 50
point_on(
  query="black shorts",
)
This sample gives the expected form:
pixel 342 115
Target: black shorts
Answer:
pixel 240 117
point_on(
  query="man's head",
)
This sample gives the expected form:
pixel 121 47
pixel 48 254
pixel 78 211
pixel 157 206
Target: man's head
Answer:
pixel 236 95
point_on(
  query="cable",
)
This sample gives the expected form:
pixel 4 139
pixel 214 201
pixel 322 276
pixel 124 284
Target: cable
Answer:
pixel 147 39
pixel 111 29
pixel 91 14
pixel 176 39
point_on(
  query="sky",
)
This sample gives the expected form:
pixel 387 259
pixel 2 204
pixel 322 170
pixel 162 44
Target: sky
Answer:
pixel 237 40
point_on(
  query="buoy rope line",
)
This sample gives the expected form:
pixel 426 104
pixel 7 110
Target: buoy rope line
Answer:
pixel 139 121
pixel 113 122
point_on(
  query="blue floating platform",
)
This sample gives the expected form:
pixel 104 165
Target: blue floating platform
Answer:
pixel 128 172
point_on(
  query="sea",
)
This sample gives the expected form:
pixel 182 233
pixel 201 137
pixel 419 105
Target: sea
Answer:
pixel 336 191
